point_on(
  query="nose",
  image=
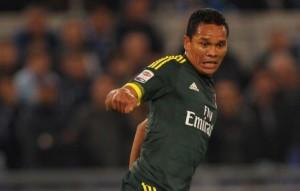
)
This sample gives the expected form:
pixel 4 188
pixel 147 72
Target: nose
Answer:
pixel 212 52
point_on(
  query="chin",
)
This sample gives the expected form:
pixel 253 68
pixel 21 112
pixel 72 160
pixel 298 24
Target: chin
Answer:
pixel 207 72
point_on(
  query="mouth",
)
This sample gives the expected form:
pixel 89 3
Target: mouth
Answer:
pixel 209 65
pixel 209 62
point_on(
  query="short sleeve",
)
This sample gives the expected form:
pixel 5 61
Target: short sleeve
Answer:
pixel 156 79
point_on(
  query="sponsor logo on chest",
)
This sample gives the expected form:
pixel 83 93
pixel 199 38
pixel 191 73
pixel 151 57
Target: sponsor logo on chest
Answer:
pixel 202 122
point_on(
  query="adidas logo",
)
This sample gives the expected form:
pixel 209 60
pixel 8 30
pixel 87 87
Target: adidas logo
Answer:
pixel 194 87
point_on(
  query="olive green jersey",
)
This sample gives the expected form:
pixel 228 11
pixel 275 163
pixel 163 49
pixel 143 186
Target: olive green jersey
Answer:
pixel 181 119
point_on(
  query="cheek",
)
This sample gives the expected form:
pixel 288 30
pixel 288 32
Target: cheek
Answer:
pixel 198 52
pixel 223 52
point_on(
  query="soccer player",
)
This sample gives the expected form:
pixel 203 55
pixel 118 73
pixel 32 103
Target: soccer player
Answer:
pixel 183 109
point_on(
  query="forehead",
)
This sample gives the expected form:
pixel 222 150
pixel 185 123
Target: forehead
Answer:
pixel 211 31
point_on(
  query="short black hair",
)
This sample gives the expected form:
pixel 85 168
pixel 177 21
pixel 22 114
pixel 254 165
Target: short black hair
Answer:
pixel 205 16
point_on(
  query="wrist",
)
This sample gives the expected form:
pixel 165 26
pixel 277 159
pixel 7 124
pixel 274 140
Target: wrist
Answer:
pixel 134 90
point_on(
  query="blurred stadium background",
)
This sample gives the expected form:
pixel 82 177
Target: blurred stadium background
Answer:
pixel 59 58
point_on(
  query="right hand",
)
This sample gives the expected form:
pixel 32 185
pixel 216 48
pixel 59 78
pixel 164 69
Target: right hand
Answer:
pixel 122 100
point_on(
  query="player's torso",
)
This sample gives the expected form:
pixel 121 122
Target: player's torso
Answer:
pixel 180 125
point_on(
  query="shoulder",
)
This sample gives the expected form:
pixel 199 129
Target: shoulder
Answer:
pixel 163 68
pixel 171 62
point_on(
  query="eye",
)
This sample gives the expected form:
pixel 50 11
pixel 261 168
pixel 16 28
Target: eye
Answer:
pixel 221 44
pixel 204 44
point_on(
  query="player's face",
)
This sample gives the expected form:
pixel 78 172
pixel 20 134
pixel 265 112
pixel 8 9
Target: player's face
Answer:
pixel 207 47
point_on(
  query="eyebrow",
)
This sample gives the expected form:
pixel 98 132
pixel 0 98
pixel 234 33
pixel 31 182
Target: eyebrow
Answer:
pixel 207 39
pixel 203 38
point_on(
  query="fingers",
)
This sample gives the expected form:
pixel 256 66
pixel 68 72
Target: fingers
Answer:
pixel 121 101
pixel 108 100
pixel 118 102
pixel 131 106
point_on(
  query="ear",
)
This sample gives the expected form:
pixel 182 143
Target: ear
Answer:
pixel 186 43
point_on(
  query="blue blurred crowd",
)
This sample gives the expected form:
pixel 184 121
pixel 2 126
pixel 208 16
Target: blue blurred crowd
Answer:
pixel 53 84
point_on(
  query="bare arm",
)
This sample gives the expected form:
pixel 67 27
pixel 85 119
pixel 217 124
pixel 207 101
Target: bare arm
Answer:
pixel 137 142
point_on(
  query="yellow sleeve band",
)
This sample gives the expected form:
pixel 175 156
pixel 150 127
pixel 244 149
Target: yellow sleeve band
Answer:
pixel 137 90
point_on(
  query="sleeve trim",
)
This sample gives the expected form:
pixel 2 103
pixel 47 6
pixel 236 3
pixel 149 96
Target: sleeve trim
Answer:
pixel 137 88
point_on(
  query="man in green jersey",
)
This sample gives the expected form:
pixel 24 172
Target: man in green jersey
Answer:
pixel 183 110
